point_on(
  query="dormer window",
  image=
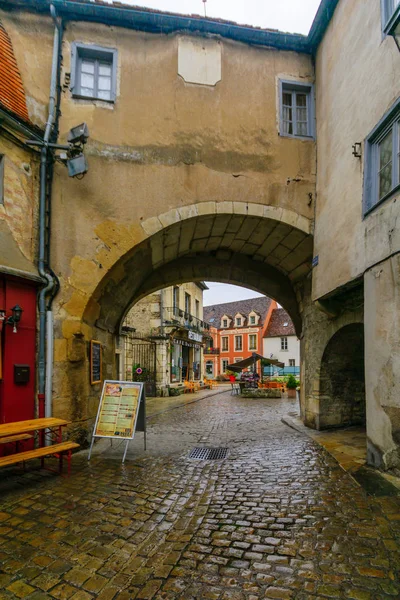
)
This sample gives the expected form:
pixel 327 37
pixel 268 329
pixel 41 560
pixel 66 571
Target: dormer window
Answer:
pixel 238 321
pixel 252 320
pixel 224 322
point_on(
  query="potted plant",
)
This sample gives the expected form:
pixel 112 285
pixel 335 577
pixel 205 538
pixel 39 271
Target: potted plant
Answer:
pixel 291 385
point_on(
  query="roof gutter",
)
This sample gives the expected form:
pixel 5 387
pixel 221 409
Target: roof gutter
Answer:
pixel 320 23
pixel 158 22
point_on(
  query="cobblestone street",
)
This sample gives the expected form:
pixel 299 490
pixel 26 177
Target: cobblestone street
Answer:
pixel 278 518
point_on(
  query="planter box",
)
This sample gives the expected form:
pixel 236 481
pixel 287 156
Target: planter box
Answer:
pixel 291 393
pixel 261 393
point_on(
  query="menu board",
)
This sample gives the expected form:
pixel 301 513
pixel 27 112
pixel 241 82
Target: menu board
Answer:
pixel 118 409
pixel 95 362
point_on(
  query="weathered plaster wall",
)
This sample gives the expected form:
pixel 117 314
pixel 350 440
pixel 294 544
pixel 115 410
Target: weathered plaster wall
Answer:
pixel 357 81
pixel 20 202
pixel 382 335
pixel 166 152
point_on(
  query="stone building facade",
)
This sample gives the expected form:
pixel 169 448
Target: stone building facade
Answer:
pixel 170 323
pixel 220 181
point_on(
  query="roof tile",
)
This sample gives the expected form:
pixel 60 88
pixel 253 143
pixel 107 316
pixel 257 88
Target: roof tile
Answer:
pixel 276 326
pixel 12 93
pixel 217 311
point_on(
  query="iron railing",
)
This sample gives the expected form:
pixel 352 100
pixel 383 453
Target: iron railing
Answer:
pixel 211 350
pixel 176 317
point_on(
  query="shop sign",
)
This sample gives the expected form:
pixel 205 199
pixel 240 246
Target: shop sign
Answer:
pixel 197 337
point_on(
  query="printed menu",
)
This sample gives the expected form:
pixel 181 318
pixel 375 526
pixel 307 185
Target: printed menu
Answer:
pixel 119 405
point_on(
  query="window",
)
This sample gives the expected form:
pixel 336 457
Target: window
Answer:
pixel 292 362
pixel 252 320
pixel 388 8
pixel 2 160
pixel 225 323
pixel 224 364
pixel 93 72
pixel 225 344
pixel 175 299
pixel 382 157
pixel 252 342
pixel 284 344
pixel 238 342
pixel 238 359
pixel 296 109
pixel 238 322
pixel 187 303
pixel 197 308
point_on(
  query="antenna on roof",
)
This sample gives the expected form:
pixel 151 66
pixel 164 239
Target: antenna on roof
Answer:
pixel 205 10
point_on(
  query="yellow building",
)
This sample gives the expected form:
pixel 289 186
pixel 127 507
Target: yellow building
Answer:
pixel 163 334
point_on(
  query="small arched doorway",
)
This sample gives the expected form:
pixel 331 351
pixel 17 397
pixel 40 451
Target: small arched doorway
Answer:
pixel 342 379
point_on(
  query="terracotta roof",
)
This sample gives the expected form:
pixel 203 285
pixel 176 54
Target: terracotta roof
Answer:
pixel 12 94
pixel 213 314
pixel 276 326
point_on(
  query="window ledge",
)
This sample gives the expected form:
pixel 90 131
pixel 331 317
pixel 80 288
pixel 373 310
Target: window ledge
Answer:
pixel 91 98
pixel 389 196
pixel 304 138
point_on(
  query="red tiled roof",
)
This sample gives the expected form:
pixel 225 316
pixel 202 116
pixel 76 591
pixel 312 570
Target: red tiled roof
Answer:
pixel 276 326
pixel 12 94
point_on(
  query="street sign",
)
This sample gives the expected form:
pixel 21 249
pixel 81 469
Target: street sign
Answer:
pixel 121 412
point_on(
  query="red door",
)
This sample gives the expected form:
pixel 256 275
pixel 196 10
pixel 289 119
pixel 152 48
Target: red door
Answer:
pixel 17 400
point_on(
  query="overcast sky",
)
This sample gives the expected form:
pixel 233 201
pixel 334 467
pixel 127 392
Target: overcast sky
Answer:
pixel 295 16
pixel 219 293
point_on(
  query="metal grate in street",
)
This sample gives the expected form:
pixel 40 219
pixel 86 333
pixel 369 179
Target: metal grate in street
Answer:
pixel 208 453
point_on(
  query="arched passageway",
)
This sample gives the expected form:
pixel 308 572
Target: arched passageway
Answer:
pixel 262 248
pixel 261 253
pixel 342 379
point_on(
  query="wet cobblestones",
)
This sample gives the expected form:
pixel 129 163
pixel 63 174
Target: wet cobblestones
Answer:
pixel 277 519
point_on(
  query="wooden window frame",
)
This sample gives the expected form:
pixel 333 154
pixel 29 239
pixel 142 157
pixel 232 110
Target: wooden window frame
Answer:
pixel 81 51
pixel 256 345
pixel 294 87
pixel 225 337
pixel 241 343
pixel 389 122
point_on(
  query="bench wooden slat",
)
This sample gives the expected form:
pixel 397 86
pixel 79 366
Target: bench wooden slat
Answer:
pixel 15 438
pixel 37 453
pixel 17 427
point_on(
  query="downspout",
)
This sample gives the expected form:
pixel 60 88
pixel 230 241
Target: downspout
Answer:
pixel 46 333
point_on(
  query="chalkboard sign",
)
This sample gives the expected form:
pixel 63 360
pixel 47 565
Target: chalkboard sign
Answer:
pixel 95 362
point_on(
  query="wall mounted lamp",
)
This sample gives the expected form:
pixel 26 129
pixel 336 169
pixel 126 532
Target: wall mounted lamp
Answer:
pixel 357 150
pixel 393 26
pixel 14 318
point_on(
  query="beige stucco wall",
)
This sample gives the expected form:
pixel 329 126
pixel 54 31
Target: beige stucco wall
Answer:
pixel 382 355
pixel 357 81
pixel 19 209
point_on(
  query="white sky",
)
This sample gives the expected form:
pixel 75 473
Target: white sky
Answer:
pixel 295 16
pixel 222 292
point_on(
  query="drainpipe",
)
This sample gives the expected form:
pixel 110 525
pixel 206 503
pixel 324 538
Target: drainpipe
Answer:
pixel 46 333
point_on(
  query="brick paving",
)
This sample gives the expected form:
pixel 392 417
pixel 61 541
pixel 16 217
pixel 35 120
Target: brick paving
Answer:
pixel 277 519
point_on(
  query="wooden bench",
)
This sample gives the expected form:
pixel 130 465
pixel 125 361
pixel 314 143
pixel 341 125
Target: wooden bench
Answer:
pixel 15 438
pixel 56 449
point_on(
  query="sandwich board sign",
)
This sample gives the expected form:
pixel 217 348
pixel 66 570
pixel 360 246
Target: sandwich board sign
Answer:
pixel 121 412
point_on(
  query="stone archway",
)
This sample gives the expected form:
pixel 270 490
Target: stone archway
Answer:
pixel 342 379
pixel 260 247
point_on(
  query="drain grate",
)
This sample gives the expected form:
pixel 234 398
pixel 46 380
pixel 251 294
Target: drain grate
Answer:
pixel 208 453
